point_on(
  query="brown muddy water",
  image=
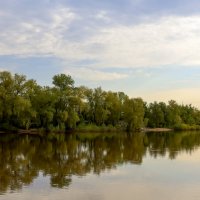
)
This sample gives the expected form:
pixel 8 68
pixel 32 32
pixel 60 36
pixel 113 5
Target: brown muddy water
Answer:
pixel 93 166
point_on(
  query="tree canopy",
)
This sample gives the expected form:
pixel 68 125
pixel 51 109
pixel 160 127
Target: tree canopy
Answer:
pixel 26 105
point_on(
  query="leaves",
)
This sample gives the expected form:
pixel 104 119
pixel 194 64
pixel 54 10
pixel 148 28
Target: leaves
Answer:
pixel 25 104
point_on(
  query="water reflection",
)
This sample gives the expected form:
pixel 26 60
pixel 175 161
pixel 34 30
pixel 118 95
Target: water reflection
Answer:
pixel 60 156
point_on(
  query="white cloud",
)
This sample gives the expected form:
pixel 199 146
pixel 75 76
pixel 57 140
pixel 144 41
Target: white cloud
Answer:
pixel 172 40
pixel 102 15
pixel 61 18
pixel 36 36
pixel 94 75
pixel 168 41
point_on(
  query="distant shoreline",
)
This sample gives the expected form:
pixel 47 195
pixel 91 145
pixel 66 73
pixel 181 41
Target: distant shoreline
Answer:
pixel 37 131
pixel 157 129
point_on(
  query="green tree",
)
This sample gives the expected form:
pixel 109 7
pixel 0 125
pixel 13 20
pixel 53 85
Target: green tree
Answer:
pixel 66 115
pixel 173 114
pixel 6 92
pixel 100 111
pixel 155 113
pixel 113 106
pixel 134 113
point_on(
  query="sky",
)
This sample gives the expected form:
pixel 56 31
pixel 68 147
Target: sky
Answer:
pixel 145 48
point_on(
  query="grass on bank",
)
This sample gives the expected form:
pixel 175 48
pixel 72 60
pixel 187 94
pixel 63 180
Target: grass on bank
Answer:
pixel 83 127
pixel 95 128
pixel 186 127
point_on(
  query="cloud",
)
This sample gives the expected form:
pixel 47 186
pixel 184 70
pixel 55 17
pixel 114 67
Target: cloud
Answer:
pixel 168 41
pixel 102 15
pixel 94 75
pixel 172 40
pixel 35 36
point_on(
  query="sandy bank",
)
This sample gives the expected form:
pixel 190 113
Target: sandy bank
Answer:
pixel 157 129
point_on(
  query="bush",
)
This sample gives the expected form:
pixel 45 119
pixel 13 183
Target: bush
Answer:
pixel 94 128
pixel 184 127
pixel 8 127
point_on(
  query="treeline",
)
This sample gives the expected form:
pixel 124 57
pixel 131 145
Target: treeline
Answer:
pixel 26 105
pixel 172 115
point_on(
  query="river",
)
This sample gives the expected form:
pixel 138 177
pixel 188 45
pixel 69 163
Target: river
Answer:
pixel 100 166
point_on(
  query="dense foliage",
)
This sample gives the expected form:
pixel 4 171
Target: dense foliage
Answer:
pixel 24 104
pixel 183 117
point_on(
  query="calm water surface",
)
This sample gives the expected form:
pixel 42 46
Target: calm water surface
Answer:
pixel 100 166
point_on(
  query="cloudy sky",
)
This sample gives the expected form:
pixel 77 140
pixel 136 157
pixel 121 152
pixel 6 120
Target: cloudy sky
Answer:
pixel 146 48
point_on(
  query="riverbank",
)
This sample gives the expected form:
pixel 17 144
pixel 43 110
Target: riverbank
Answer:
pixel 91 128
pixel 84 129
pixel 157 129
pixel 21 131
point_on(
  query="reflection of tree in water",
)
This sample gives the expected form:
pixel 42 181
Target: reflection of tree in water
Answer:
pixel 172 143
pixel 15 167
pixel 60 156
